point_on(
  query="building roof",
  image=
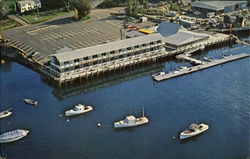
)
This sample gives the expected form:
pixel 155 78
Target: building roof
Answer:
pixel 98 49
pixel 28 1
pixel 167 28
pixel 214 5
pixel 184 37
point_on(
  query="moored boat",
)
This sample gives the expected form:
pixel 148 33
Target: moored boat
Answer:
pixel 5 113
pixel 13 135
pixel 131 121
pixel 78 109
pixel 30 101
pixel 193 130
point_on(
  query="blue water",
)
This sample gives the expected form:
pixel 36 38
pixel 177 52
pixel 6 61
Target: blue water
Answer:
pixel 219 96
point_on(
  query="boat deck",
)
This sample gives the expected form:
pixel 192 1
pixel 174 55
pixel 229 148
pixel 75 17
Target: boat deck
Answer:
pixel 200 67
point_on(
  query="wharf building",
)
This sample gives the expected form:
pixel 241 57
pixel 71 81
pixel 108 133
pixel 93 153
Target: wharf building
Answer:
pixel 219 6
pixel 82 62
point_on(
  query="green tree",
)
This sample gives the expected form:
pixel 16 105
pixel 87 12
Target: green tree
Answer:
pixel 132 7
pixel 82 8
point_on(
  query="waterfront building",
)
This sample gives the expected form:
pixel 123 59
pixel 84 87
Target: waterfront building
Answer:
pixel 218 6
pixel 27 5
pixel 80 61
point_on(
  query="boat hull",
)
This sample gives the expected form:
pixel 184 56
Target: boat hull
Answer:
pixel 20 136
pixel 185 136
pixel 88 108
pixel 141 121
pixel 5 115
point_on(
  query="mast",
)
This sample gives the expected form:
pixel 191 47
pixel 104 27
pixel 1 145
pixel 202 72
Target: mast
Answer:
pixel 142 111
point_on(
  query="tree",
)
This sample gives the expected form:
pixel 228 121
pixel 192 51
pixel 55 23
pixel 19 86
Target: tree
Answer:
pixel 132 7
pixel 82 8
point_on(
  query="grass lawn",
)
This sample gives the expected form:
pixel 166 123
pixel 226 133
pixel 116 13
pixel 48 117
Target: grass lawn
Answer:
pixel 44 15
pixel 9 6
pixel 85 18
pixel 7 24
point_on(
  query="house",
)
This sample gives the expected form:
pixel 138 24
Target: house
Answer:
pixel 27 5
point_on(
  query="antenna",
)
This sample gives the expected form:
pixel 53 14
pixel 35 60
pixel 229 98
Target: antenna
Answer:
pixel 142 111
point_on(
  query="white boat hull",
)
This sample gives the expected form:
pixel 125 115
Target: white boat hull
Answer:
pixel 2 115
pixel 185 136
pixel 140 121
pixel 73 113
pixel 10 136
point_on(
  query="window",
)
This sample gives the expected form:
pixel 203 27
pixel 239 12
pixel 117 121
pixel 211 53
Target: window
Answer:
pixel 112 52
pixel 121 56
pixel 66 62
pixel 129 48
pixel 144 45
pixel 85 58
pixel 159 41
pixel 137 46
pixel 94 56
pixel 151 43
pixel 76 60
pixel 104 54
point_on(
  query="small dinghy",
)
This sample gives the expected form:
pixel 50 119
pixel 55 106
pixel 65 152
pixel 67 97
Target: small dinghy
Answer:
pixel 30 101
pixel 131 121
pixel 194 129
pixel 5 113
pixel 13 135
pixel 78 109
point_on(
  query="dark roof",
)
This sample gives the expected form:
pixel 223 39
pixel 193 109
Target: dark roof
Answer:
pixel 167 28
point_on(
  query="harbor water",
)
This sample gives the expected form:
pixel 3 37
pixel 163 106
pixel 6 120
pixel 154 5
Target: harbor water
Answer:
pixel 218 96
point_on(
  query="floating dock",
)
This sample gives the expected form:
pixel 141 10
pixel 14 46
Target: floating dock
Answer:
pixel 181 72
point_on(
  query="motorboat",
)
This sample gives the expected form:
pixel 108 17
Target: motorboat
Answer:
pixel 5 113
pixel 30 101
pixel 13 135
pixel 131 121
pixel 193 130
pixel 78 109
pixel 183 67
pixel 158 74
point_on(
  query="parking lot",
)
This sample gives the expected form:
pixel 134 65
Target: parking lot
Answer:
pixel 51 36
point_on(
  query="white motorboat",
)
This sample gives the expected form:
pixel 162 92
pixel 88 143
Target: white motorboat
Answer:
pixel 78 109
pixel 31 101
pixel 5 113
pixel 183 67
pixel 158 74
pixel 13 135
pixel 194 129
pixel 131 121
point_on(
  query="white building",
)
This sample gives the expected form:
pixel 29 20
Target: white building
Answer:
pixel 27 5
pixel 71 63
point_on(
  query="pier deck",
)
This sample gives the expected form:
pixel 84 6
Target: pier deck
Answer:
pixel 199 67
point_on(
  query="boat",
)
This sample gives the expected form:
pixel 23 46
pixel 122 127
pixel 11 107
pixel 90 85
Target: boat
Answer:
pixel 193 130
pixel 78 109
pixel 158 74
pixel 131 121
pixel 30 101
pixel 13 135
pixel 5 113
pixel 183 67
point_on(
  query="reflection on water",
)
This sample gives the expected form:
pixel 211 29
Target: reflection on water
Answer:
pixel 106 81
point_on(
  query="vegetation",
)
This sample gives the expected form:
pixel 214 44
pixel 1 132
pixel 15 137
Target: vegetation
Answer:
pixel 82 8
pixel 174 7
pixel 45 15
pixel 134 6
pixel 111 3
pixel 7 24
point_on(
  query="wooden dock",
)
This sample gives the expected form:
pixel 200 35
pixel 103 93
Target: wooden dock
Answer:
pixel 199 67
